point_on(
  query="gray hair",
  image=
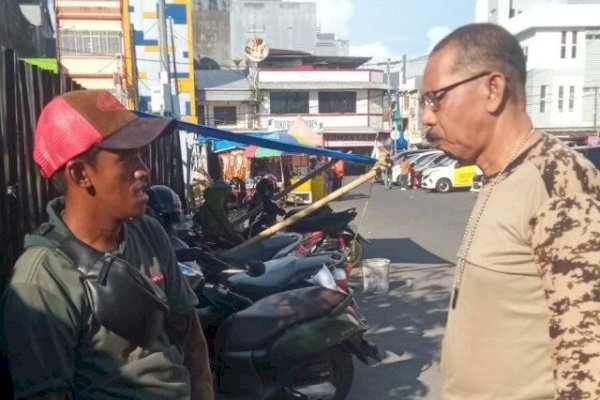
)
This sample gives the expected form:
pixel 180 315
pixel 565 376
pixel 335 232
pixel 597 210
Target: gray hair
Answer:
pixel 488 46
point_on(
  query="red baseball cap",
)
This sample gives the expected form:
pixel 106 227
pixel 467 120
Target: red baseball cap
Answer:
pixel 74 122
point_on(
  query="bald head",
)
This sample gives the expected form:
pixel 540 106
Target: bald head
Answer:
pixel 488 47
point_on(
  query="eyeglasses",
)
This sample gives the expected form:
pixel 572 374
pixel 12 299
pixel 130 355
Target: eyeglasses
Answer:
pixel 432 98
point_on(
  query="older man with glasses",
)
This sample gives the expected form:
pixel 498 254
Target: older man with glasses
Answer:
pixel 524 318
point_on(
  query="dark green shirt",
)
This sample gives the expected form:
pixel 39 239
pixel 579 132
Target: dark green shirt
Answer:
pixel 54 343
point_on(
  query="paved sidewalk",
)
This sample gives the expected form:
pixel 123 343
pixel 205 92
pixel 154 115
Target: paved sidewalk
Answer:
pixel 420 233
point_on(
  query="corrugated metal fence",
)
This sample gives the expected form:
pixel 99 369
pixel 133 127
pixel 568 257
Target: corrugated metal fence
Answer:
pixel 24 90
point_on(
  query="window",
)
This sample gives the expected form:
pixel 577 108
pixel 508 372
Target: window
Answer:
pixel 337 102
pixel 561 90
pixel 543 98
pixel 90 42
pixel 225 115
pixel 256 28
pixel 289 102
pixel 571 98
pixel 564 45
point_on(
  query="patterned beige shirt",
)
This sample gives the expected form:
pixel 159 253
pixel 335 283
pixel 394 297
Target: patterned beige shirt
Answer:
pixel 527 320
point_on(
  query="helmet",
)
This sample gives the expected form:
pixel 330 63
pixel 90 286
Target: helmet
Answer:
pixel 221 185
pixel 266 187
pixel 164 204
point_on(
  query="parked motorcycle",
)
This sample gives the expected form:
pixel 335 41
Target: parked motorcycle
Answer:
pixel 296 344
pixel 164 204
pixel 324 230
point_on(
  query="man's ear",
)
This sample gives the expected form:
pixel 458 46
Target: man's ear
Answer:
pixel 496 92
pixel 76 172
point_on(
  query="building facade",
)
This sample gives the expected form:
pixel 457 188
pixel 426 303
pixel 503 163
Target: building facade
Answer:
pixel 143 61
pixel 222 28
pixel 561 39
pixel 212 33
pixel 89 39
pixel 345 105
pixel 406 81
pixel 26 28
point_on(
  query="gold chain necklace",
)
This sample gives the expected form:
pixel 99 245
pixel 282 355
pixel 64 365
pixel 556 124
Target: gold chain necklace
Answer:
pixel 473 222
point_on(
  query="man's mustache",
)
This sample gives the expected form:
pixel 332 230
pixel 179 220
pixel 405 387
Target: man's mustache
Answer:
pixel 430 135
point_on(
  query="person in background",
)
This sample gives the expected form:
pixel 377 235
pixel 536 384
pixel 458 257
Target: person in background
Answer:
pixel 328 176
pixel 338 170
pixel 404 171
pixel 412 176
pixel 88 144
pixel 524 316
pixel 387 174
pixel 265 192
pixel 213 219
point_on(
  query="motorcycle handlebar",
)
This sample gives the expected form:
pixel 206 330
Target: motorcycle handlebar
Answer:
pixel 238 300
pixel 253 268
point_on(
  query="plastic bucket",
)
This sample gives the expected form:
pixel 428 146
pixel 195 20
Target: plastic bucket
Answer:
pixel 376 275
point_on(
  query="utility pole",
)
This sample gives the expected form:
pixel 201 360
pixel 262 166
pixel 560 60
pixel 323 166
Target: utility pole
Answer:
pixel 165 73
pixel 135 92
pixel 403 69
pixel 389 83
pixel 595 89
pixel 176 110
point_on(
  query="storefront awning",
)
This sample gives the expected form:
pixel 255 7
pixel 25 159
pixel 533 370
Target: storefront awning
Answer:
pixel 214 133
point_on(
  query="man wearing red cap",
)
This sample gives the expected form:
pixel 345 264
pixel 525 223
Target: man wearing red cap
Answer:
pixel 58 344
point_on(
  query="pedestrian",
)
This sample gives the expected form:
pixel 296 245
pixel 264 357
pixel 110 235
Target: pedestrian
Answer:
pixel 338 170
pixel 64 340
pixel 524 316
pixel 413 178
pixel 404 171
pixel 387 173
pixel 328 176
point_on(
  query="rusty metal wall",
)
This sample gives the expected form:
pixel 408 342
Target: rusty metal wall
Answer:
pixel 24 90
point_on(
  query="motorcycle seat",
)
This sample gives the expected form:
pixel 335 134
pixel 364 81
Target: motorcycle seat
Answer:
pixel 280 274
pixel 331 223
pixel 263 321
pixel 276 246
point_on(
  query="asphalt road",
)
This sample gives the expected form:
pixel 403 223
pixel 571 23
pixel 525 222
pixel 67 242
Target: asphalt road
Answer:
pixel 419 232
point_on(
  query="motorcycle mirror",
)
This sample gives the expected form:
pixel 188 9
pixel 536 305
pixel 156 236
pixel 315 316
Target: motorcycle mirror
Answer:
pixel 255 268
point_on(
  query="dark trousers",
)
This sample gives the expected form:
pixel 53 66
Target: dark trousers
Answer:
pixel 337 183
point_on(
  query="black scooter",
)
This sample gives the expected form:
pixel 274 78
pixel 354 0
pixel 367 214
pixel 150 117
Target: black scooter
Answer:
pixel 297 344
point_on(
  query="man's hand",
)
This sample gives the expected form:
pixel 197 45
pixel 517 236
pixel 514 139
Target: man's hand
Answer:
pixel 187 332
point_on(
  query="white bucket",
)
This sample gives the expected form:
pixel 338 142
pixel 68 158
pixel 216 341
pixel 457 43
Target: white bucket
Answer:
pixel 376 275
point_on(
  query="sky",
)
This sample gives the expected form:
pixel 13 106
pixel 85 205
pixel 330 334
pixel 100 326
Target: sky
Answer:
pixel 384 29
pixel 390 28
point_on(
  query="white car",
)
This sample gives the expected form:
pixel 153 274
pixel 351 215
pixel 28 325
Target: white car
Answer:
pixel 450 175
pixel 419 159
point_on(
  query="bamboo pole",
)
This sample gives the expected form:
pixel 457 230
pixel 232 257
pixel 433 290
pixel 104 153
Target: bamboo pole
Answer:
pixel 286 191
pixel 377 168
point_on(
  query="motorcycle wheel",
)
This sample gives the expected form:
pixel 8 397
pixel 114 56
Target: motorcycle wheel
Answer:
pixel 333 365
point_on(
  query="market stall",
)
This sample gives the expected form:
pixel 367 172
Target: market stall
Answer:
pixel 315 188
pixel 288 168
